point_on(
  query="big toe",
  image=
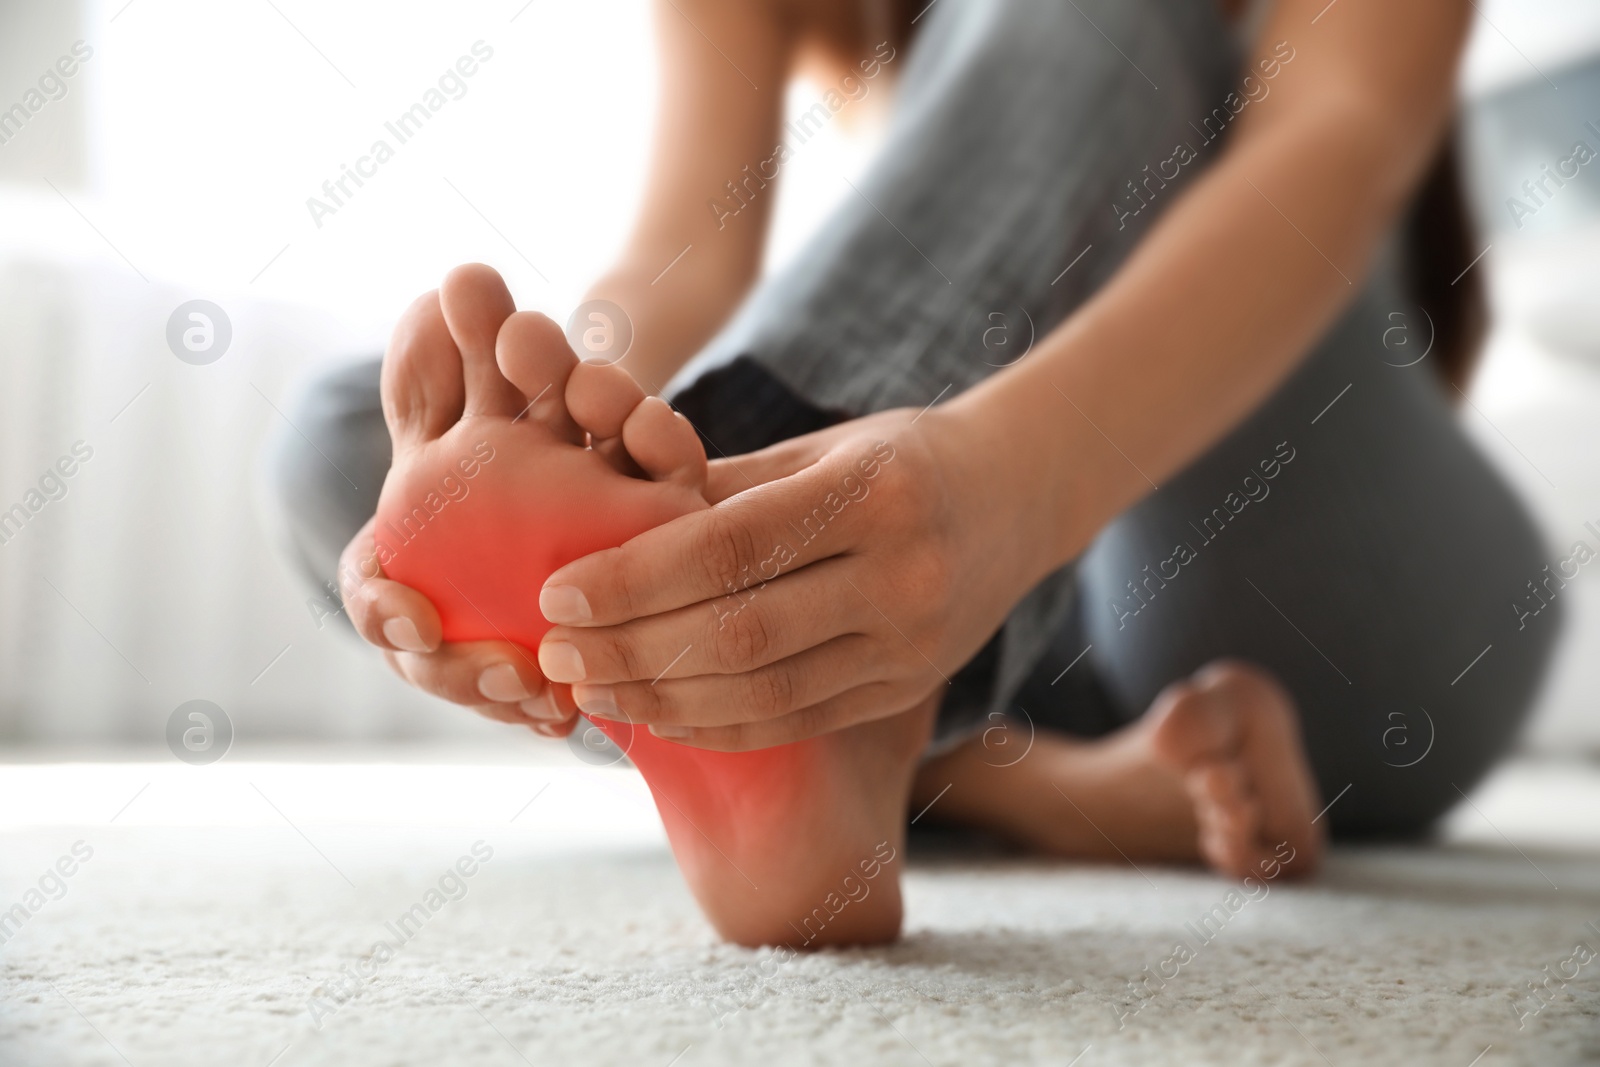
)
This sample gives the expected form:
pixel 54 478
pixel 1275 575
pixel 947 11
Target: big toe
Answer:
pixel 1271 747
pixel 421 381
pixel 1228 815
pixel 476 303
pixel 1190 728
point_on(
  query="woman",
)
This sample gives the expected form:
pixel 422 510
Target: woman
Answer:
pixel 1121 297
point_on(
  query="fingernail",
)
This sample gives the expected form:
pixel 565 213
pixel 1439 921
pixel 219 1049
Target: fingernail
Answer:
pixel 541 707
pixel 670 732
pixel 501 684
pixel 544 729
pixel 564 604
pixel 598 702
pixel 561 662
pixel 401 632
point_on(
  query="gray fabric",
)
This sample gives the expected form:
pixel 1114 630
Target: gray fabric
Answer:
pixel 1369 572
pixel 325 468
pixel 1019 125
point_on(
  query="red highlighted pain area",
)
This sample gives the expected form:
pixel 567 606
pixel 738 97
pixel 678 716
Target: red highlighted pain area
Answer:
pixel 512 459
pixel 477 525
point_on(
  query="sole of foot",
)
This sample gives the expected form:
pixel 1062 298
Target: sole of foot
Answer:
pixel 511 459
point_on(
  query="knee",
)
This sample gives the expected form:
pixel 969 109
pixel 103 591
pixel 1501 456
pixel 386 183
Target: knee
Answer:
pixel 324 464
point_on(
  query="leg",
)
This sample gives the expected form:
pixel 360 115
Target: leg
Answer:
pixel 1214 772
pixel 1364 553
pixel 325 467
pixel 495 485
pixel 813 862
pixel 1003 191
pixel 1004 196
pixel 1363 566
pixel 999 170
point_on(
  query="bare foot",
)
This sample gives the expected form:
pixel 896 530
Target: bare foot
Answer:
pixel 511 460
pixel 1213 773
pixel 1231 732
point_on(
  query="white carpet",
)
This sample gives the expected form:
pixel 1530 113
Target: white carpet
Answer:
pixel 215 912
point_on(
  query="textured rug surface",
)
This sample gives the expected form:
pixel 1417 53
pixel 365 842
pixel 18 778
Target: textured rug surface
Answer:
pixel 236 919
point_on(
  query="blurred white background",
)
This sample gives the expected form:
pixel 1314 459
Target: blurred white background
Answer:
pixel 178 165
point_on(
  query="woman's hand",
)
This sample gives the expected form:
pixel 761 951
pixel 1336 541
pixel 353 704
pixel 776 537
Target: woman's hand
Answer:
pixel 845 576
pixel 496 679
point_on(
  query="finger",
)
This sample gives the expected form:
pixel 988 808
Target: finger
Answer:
pixel 540 714
pixel 732 475
pixel 754 624
pixel 875 700
pixel 556 712
pixel 511 714
pixel 556 729
pixel 473 672
pixel 769 692
pixel 778 526
pixel 384 612
pixel 514 715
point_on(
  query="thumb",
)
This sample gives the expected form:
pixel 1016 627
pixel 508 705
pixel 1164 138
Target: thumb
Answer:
pixel 732 475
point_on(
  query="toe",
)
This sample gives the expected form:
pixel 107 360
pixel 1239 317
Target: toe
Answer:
pixel 1224 790
pixel 601 396
pixel 664 444
pixel 534 356
pixel 476 302
pixel 421 381
pixel 1191 728
pixel 1229 816
pixel 1269 741
pixel 1271 746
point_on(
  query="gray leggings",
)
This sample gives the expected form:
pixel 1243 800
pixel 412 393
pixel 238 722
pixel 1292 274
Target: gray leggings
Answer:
pixel 1346 536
